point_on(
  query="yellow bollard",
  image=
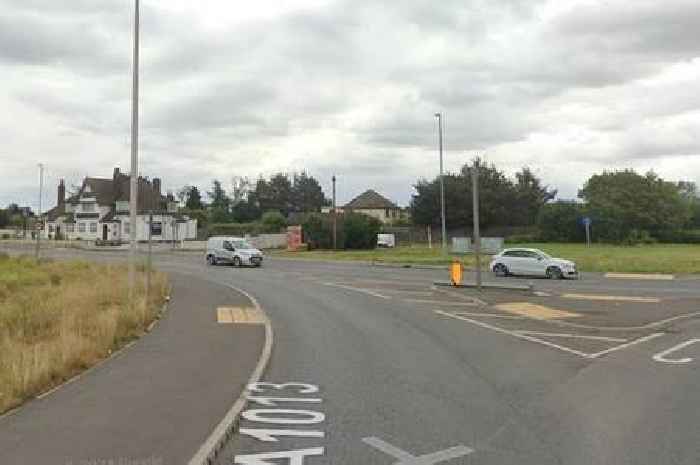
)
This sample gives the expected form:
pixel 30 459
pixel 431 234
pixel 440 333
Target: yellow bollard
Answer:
pixel 456 272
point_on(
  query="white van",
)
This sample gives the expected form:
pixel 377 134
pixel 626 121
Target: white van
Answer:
pixel 234 250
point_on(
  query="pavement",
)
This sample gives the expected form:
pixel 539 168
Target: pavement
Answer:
pixel 154 403
pixel 378 366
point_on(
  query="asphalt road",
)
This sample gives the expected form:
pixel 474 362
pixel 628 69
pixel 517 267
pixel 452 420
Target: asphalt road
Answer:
pixel 596 371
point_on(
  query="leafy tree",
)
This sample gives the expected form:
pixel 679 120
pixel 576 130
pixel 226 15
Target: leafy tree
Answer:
pixel 275 194
pixel 561 222
pixel 307 194
pixel 360 231
pixel 219 199
pixel 501 202
pixel 193 198
pixel 530 197
pixel 626 205
pixel 273 221
pixel 4 218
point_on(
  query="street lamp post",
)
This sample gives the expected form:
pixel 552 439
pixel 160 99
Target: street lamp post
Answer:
pixel 133 186
pixel 335 220
pixel 39 223
pixel 442 186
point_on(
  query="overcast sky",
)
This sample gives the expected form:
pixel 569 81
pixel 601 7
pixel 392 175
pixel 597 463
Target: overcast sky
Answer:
pixel 348 87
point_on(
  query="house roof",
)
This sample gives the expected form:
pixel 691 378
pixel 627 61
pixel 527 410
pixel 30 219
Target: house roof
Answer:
pixel 107 191
pixel 370 200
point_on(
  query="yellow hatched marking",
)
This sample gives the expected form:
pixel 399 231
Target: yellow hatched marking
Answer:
pixel 612 298
pixel 240 315
pixel 537 312
pixel 663 277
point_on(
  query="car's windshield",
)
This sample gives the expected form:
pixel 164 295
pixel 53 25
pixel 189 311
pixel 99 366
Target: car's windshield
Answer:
pixel 545 255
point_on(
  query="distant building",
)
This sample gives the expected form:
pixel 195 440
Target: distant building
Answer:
pixel 371 203
pixel 100 211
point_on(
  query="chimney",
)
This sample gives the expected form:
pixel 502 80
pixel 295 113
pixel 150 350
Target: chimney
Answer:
pixel 156 185
pixel 61 192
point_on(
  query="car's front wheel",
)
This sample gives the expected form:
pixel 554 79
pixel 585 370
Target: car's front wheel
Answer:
pixel 211 260
pixel 237 261
pixel 554 273
pixel 500 270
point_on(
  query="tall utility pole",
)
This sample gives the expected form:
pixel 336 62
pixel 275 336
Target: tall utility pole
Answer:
pixel 134 178
pixel 477 235
pixel 38 215
pixel 335 221
pixel 442 186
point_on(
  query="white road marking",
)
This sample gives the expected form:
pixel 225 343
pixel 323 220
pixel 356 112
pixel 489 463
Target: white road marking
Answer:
pixel 406 458
pixel 663 277
pixel 521 335
pixel 624 346
pixel 274 401
pixel 514 334
pixel 661 356
pixel 309 417
pixel 295 457
pixel 358 289
pixel 268 435
pixel 260 386
pixel 575 336
pixel 441 302
pixel 612 298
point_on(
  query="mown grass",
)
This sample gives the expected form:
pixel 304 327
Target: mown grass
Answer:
pixel 58 318
pixel 658 258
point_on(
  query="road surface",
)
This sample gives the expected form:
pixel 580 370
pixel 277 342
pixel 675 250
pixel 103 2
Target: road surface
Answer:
pixel 389 369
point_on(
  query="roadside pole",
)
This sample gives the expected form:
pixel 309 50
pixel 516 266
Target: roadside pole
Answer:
pixel 133 184
pixel 442 187
pixel 477 235
pixel 39 223
pixel 335 219
pixel 587 224
pixel 148 260
pixel 430 237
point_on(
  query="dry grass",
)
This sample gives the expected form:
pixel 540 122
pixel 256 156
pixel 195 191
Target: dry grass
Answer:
pixel 58 318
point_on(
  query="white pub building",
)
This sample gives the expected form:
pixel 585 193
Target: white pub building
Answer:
pixel 99 211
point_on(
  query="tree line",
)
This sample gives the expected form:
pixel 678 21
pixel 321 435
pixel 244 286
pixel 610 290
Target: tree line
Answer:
pixel 244 201
pixel 623 206
pixel 503 201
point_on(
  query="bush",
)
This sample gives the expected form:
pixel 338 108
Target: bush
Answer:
pixel 234 229
pixel 688 236
pixel 273 221
pixel 360 231
pixel 523 238
pixel 318 231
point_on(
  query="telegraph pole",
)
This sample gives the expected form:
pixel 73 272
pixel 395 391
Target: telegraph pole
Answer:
pixel 335 222
pixel 442 186
pixel 477 235
pixel 133 189
pixel 39 223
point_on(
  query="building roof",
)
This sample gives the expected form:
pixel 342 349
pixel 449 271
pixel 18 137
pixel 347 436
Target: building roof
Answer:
pixel 370 200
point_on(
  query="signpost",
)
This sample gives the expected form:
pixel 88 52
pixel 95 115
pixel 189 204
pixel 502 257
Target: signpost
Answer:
pixel 587 224
pixel 477 236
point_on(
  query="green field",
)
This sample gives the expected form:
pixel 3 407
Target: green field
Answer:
pixel 666 258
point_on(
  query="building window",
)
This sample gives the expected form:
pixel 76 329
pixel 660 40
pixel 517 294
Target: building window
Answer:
pixel 93 227
pixel 156 228
pixel 126 228
pixel 81 227
pixel 50 228
pixel 70 227
pixel 89 207
pixel 122 206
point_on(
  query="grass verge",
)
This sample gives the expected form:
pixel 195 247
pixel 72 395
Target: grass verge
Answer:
pixel 658 258
pixel 59 318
